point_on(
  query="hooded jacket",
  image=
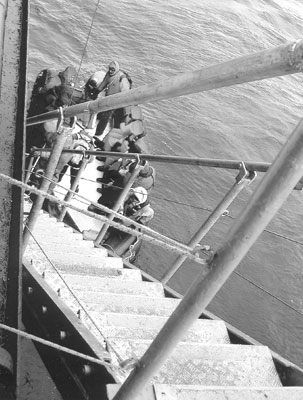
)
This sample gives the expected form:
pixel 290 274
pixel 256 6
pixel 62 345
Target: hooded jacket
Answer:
pixel 114 83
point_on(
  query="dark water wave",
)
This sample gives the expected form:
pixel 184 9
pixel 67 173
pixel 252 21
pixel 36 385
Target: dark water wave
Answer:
pixel 155 40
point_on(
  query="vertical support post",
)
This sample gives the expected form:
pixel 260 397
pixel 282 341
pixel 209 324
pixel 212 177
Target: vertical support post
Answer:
pixel 69 195
pixel 29 168
pixel 50 169
pixel 273 190
pixel 118 203
pixel 244 177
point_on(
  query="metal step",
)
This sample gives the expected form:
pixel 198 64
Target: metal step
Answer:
pixel 209 365
pixel 44 267
pixel 103 285
pixel 73 261
pixel 69 248
pixel 130 326
pixel 195 392
pixel 127 304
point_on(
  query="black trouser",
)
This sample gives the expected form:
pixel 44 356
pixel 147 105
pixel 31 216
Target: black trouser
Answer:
pixel 105 116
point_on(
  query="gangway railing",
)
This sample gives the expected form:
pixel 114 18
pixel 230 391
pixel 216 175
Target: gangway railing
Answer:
pixel 280 179
pixel 243 179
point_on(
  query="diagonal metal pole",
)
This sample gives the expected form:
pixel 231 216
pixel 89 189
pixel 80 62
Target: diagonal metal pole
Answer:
pixel 278 61
pixel 271 193
pixel 74 185
pixel 242 180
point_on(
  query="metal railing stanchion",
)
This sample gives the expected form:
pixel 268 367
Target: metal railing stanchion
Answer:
pixel 74 185
pixel 30 168
pixel 243 179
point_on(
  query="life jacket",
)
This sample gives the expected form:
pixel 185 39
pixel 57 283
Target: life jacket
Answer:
pixel 128 77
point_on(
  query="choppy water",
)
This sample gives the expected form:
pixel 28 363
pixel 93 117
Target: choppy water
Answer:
pixel 155 40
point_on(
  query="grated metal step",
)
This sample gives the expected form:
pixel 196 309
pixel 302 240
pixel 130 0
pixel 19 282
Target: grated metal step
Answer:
pixel 125 313
pixel 99 285
pixel 132 326
pixel 210 365
pixel 195 392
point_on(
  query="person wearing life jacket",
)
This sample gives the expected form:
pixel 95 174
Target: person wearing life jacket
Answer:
pixel 78 141
pixel 123 139
pixel 115 81
pixel 145 179
pixel 51 90
pixel 137 207
pixel 91 91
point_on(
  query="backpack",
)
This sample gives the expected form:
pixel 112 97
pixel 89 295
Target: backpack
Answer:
pixel 128 77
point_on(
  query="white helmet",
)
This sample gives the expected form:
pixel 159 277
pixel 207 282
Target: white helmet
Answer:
pixel 141 194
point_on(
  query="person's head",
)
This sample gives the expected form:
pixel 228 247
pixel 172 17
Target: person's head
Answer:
pixel 113 68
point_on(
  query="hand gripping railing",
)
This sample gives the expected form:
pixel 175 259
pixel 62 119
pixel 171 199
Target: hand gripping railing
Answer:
pixel 242 180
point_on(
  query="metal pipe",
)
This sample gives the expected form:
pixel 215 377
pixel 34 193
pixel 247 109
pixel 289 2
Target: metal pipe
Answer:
pixel 29 169
pixel 271 193
pixel 280 60
pixel 74 185
pixel 205 162
pixel 119 202
pixel 242 180
pixel 45 184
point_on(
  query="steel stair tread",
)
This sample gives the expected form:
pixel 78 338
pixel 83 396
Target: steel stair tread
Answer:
pixel 127 304
pixel 198 392
pixel 43 267
pixel 130 326
pixel 67 248
pixel 103 285
pixel 209 365
pixel 73 260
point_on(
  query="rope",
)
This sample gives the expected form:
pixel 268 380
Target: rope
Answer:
pixel 75 297
pixel 57 346
pixel 85 46
pixel 270 294
pixel 170 244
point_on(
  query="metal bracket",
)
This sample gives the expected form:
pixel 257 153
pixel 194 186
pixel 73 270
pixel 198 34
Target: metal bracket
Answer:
pixel 244 174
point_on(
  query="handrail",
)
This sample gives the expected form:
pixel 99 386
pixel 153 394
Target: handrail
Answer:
pixel 271 193
pixel 280 60
pixel 203 162
pixel 243 179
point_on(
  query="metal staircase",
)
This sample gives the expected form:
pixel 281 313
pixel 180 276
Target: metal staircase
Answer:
pixel 120 314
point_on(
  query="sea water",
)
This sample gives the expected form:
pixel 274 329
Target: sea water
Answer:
pixel 155 40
